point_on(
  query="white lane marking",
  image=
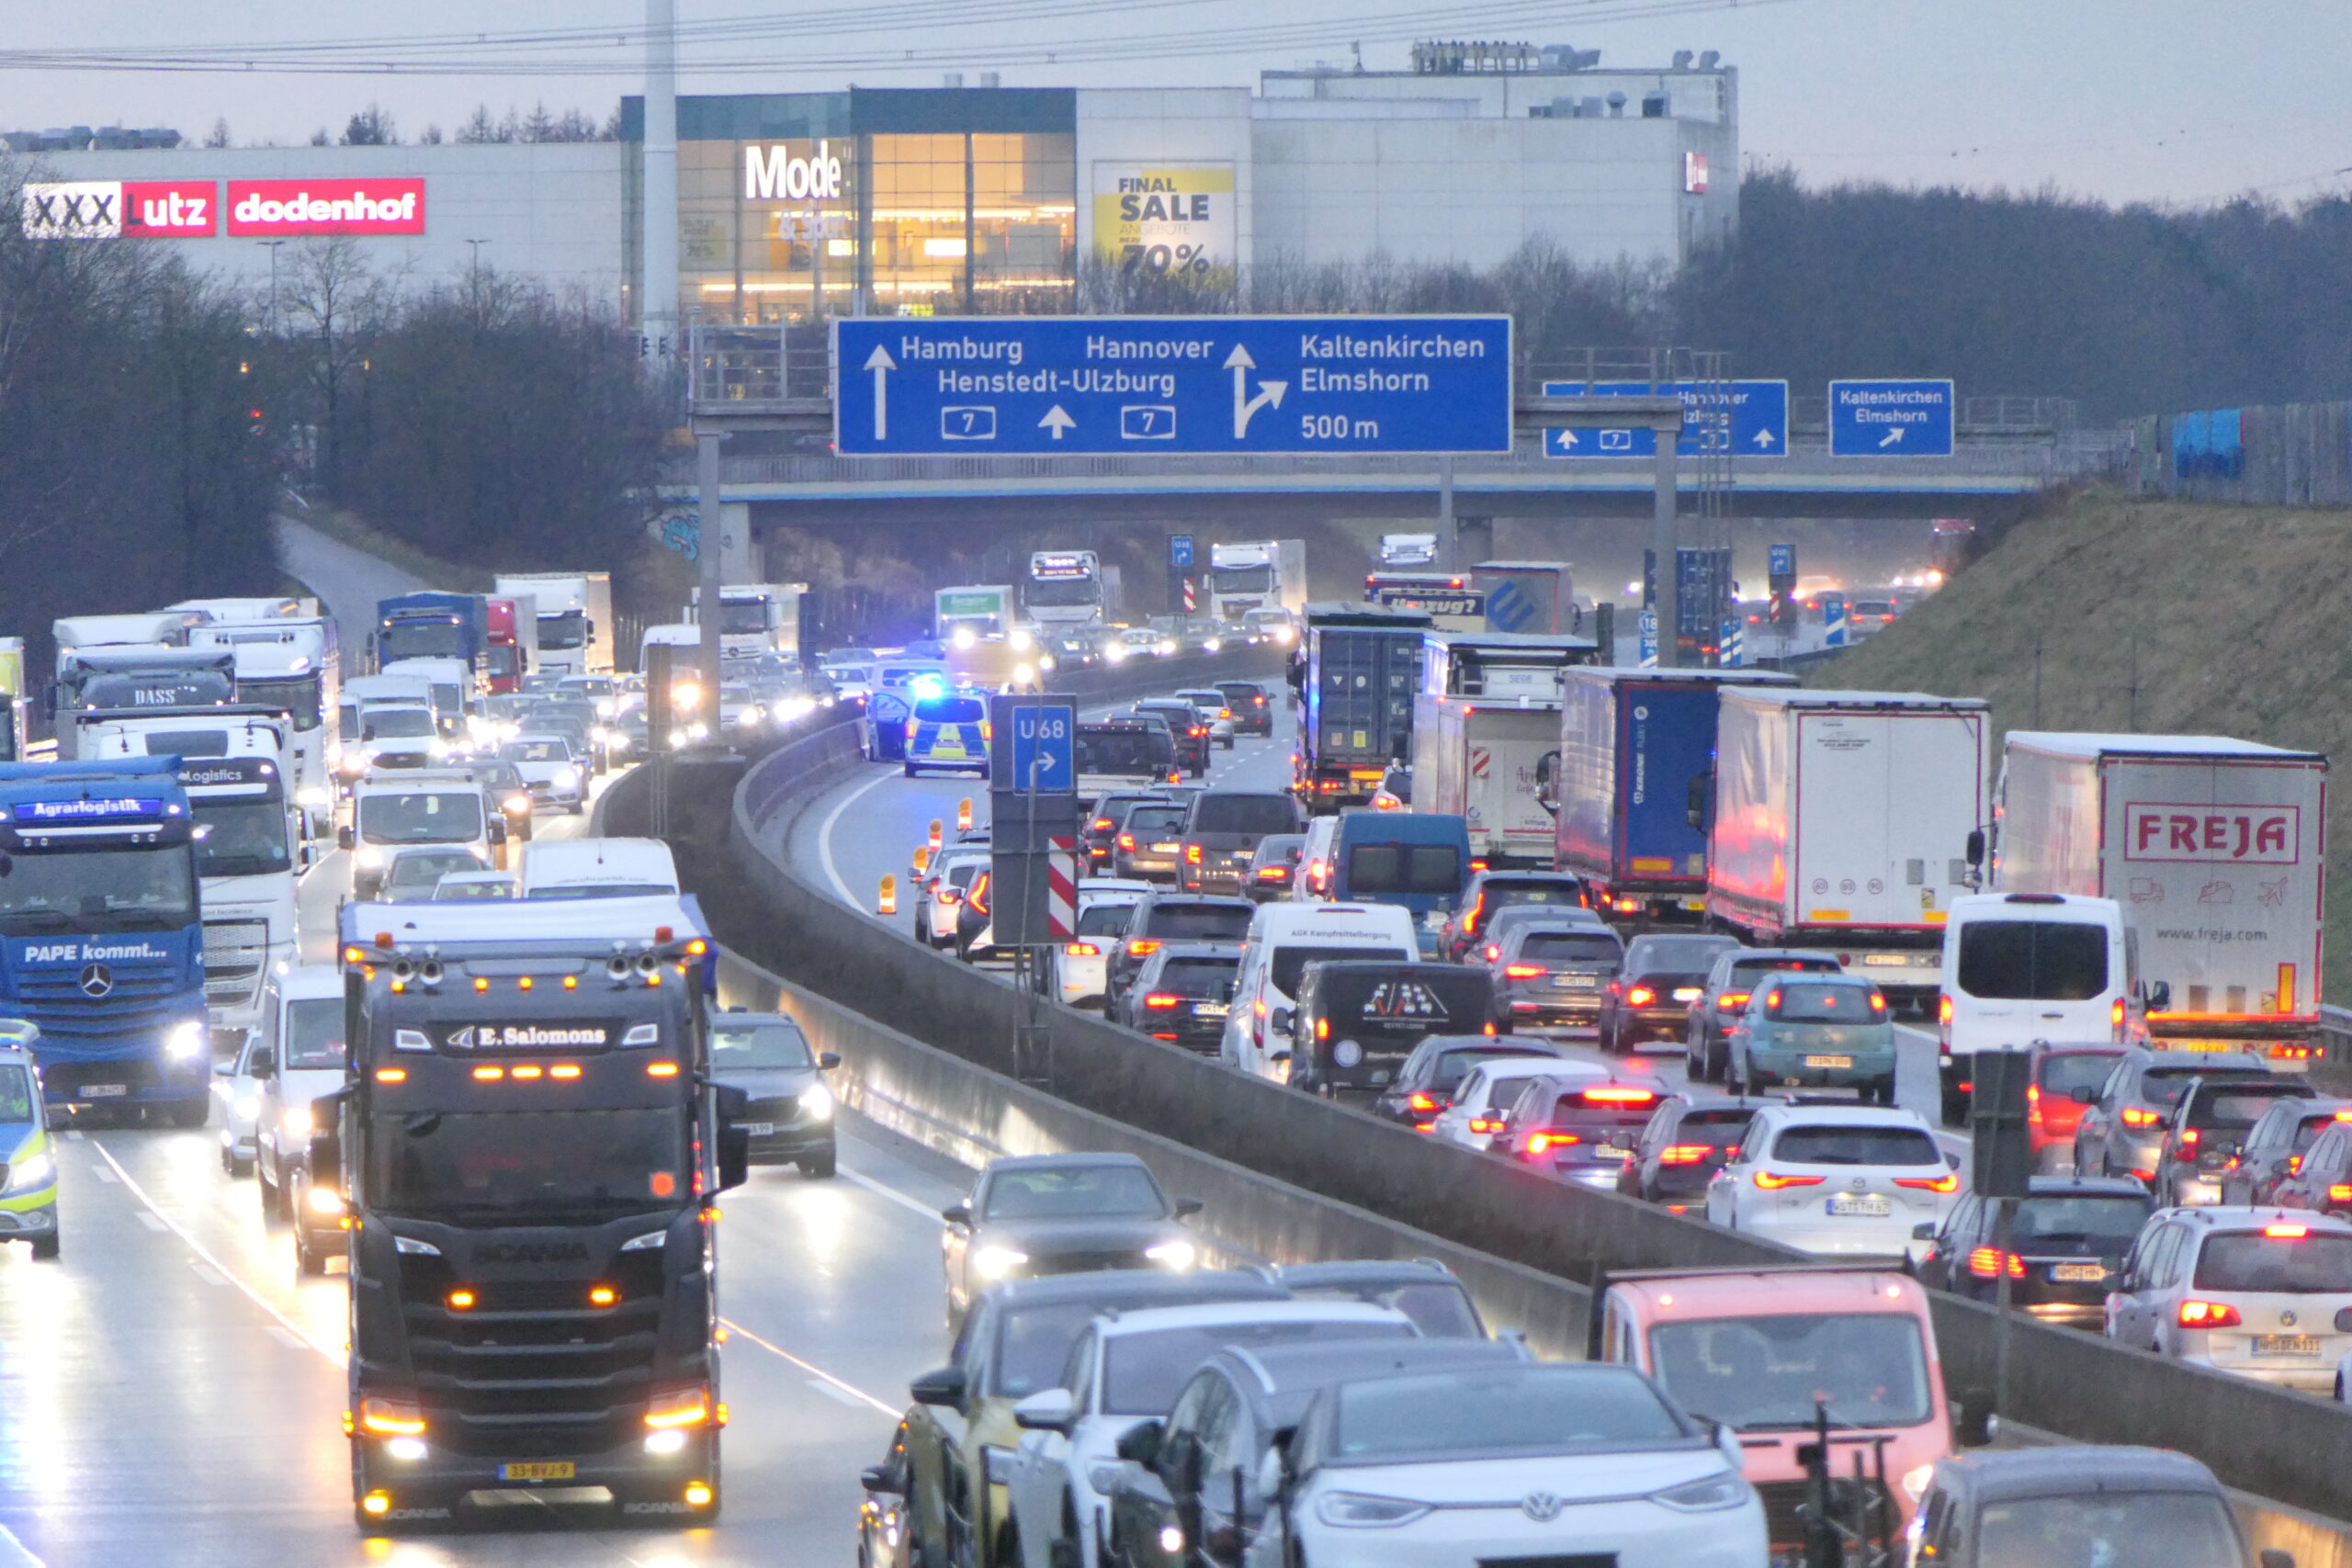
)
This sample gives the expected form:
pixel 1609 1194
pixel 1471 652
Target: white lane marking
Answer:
pixel 104 1174
pixel 829 1392
pixel 904 1200
pixel 209 1276
pixel 226 1276
pixel 149 1221
pixel 815 1373
pixel 14 1553
pixel 825 837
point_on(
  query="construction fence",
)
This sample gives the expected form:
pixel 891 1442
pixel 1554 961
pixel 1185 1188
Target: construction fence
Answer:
pixel 2285 454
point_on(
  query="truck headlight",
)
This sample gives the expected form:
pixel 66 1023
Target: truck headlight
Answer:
pixel 368 857
pixel 186 1042
pixel 32 1174
pixel 244 1109
pixel 384 1417
pixel 353 764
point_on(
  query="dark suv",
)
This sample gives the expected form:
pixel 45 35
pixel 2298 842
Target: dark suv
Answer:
pixel 1183 722
pixel 2066 1243
pixel 1222 833
pixel 2208 1133
pixel 1182 993
pixel 1652 996
pixel 1253 709
pixel 1101 831
pixel 2122 1130
pixel 1357 1019
pixel 1728 985
pixel 1159 918
pixel 1492 890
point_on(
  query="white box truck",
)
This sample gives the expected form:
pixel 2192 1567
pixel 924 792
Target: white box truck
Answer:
pixel 1485 760
pixel 1840 821
pixel 2213 847
pixel 755 618
pixel 1263 574
pixel 574 612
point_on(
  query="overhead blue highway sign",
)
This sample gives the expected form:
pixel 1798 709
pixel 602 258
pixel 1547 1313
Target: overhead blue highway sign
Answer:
pixel 1747 419
pixel 1085 386
pixel 1044 738
pixel 1890 418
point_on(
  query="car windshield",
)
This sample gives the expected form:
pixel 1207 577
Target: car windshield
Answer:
pixel 1199 922
pixel 1403 869
pixel 2164 1086
pixel 2109 1220
pixel 2290 1263
pixel 1522 895
pixel 535 751
pixel 397 724
pixel 1539 1409
pixel 2064 1072
pixel 1102 918
pixel 446 817
pixel 1244 814
pixel 1211 977
pixel 2241 1106
pixel 297 695
pixel 1676 954
pixel 97 890
pixel 1288 962
pixel 1832 1145
pixel 1718 1127
pixel 2110 1529
pixel 541 1165
pixel 765 1044
pixel 1746 972
pixel 241 838
pixel 422 873
pixel 1143 1373
pixel 1133 749
pixel 1451 1067
pixel 1571 947
pixel 2038 960
pixel 16 1096
pixel 1159 820
pixel 1072 1192
pixel 1813 1002
pixel 450 888
pixel 1767 1372
pixel 314 1034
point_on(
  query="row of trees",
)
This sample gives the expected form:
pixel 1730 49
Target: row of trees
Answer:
pixel 375 126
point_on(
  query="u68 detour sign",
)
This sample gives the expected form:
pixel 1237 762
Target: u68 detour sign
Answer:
pixel 1085 386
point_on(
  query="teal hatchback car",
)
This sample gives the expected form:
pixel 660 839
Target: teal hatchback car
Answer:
pixel 1803 1031
pixel 27 1156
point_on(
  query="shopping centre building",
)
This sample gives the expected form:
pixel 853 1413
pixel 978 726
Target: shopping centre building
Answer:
pixel 984 199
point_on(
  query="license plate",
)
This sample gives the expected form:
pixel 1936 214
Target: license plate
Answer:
pixel 759 1129
pixel 538 1469
pixel 1211 1010
pixel 1867 1205
pixel 2202 1046
pixel 1611 1147
pixel 1829 1061
pixel 1163 849
pixel 105 1090
pixel 2286 1345
pixel 2078 1273
pixel 1576 982
pixel 1687 994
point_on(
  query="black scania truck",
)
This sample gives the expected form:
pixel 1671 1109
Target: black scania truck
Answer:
pixel 529 1146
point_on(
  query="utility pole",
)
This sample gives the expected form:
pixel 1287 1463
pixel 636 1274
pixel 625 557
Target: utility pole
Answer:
pixel 706 613
pixel 272 246
pixel 658 220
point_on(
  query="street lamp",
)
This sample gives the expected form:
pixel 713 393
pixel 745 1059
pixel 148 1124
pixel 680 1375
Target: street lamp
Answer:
pixel 272 246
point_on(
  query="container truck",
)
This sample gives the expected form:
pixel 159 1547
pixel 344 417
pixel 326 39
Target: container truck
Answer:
pixel 102 937
pixel 1636 751
pixel 529 1175
pixel 1362 676
pixel 433 625
pixel 574 612
pixel 1267 574
pixel 1536 598
pixel 1838 822
pixel 755 619
pixel 2213 847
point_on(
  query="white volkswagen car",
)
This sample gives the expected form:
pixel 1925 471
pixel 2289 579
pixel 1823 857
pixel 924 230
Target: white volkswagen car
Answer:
pixel 1131 1366
pixel 1079 970
pixel 1838 1180
pixel 1554 1463
pixel 2261 1293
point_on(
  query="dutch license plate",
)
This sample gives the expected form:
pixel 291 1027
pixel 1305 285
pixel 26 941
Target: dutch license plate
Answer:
pixel 2078 1273
pixel 1211 1010
pixel 105 1090
pixel 538 1469
pixel 1861 1205
pixel 2286 1345
pixel 1829 1061
pixel 759 1129
pixel 1686 994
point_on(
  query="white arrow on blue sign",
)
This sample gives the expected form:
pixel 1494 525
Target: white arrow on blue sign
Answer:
pixel 1044 743
pixel 1890 418
pixel 1748 419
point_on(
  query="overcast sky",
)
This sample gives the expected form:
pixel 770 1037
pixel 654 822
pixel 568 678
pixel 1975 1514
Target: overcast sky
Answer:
pixel 2182 101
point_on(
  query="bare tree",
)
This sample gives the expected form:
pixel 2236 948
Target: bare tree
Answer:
pixel 332 306
pixel 371 127
pixel 219 135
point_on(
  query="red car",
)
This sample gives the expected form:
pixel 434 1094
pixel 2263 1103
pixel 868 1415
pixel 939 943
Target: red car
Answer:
pixel 2051 1110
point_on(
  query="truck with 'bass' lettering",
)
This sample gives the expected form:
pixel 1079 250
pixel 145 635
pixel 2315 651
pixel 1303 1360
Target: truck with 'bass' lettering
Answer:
pixel 529 1147
pixel 2213 847
pixel 102 936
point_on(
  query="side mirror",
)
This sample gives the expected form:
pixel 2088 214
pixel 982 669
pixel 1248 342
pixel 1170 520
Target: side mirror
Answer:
pixel 734 1137
pixel 1975 850
pixel 2274 1557
pixel 1187 1207
pixel 1281 1018
pixel 1972 1418
pixel 2159 995
pixel 1139 1444
pixel 227 1069
pixel 1272 1474
pixel 957 1214
pixel 325 1150
pixel 1952 1160
pixel 828 1060
pixel 945 1386
pixel 1047 1410
pixel 1699 802
pixel 1924 1231
pixel 878 1478
pixel 2086 1096
pixel 343 838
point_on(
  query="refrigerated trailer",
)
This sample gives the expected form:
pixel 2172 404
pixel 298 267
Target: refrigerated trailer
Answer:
pixel 2215 849
pixel 1840 821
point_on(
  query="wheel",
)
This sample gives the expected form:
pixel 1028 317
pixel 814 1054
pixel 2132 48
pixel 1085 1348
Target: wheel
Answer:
pixel 906 770
pixel 307 1258
pixel 1886 1090
pixel 45 1248
pixel 268 1191
pixel 193 1115
pixel 1735 1078
pixel 233 1164
pixel 820 1168
pixel 1955 1107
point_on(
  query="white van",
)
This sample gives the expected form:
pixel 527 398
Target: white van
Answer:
pixel 415 806
pixel 1282 940
pixel 598 868
pixel 2022 967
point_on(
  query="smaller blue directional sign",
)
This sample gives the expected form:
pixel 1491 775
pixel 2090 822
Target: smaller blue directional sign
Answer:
pixel 1647 625
pixel 1781 563
pixel 1084 386
pixel 1180 550
pixel 1044 739
pixel 1890 418
pixel 1747 419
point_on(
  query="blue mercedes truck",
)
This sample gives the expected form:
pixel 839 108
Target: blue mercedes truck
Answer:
pixel 102 934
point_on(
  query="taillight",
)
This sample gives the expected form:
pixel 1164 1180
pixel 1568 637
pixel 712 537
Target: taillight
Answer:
pixel 1421 1099
pixel 1732 999
pixel 1543 1142
pixel 1685 1154
pixel 1640 996
pixel 1985 1264
pixel 1322 1029
pixel 1772 1181
pixel 2188 1149
pixel 1143 946
pixel 1127 840
pixel 1878 1003
pixel 1485 1125
pixel 2115 1017
pixel 1274 873
pixel 1162 999
pixel 1611 1095
pixel 1192 854
pixel 1524 971
pixel 2135 1117
pixel 2209 1314
pixel 2340 1192
pixel 1104 824
pixel 1493 953
pixel 1470 920
pixel 911 729
pixel 1082 949
pixel 1943 1009
pixel 1771 1000
pixel 945 896
pixel 1947 1182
